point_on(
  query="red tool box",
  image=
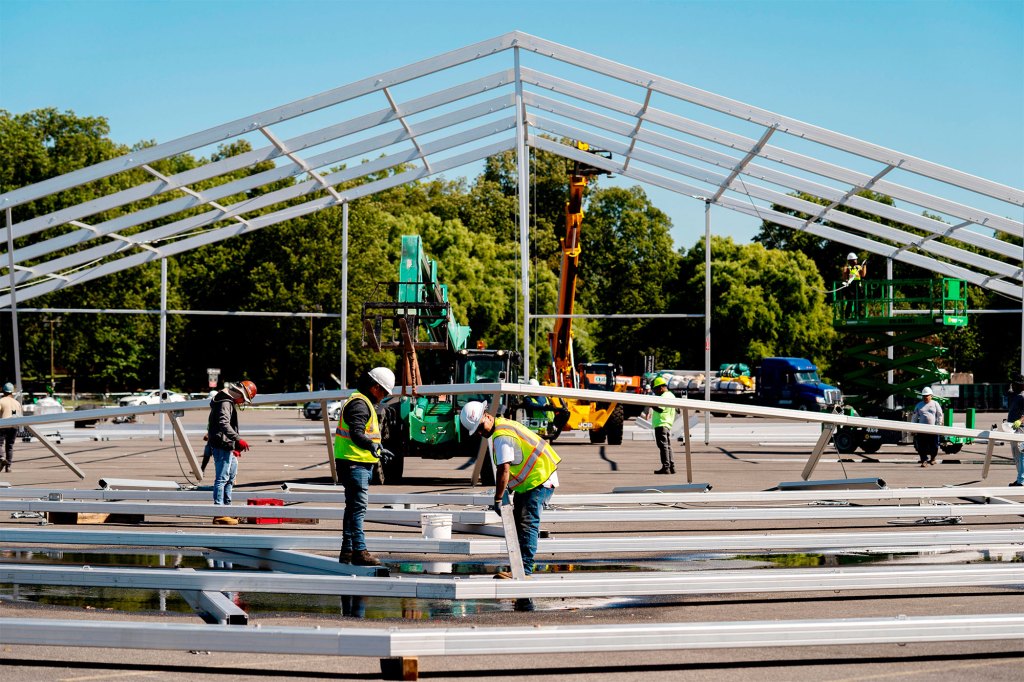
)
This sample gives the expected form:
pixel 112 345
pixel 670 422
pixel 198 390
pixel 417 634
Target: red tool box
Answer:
pixel 264 502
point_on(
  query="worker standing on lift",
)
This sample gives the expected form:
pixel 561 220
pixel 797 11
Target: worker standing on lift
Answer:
pixel 851 291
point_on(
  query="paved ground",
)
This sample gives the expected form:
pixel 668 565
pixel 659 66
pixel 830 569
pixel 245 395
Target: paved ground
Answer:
pixel 747 455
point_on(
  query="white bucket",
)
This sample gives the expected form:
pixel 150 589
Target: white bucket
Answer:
pixel 436 526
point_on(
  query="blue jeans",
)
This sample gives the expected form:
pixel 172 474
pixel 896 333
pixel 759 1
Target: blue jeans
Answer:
pixel 1018 460
pixel 526 508
pixel 226 466
pixel 355 476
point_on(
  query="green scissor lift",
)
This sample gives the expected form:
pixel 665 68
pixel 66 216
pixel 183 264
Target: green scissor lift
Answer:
pixel 898 313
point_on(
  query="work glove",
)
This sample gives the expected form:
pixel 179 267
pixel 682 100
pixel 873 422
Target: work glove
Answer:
pixel 242 445
pixel 497 507
pixel 382 454
pixel 1016 425
pixel 236 453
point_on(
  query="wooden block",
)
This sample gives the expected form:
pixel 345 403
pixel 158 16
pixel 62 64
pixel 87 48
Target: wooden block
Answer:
pixel 400 668
pixel 88 518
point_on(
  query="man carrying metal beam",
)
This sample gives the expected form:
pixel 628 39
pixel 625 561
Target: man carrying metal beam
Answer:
pixel 525 464
pixel 224 442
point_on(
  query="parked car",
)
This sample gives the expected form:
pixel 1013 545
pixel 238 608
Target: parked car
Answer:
pixel 311 410
pixel 151 397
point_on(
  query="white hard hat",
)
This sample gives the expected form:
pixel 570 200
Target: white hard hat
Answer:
pixel 384 377
pixel 926 390
pixel 851 256
pixel 472 414
pixel 534 382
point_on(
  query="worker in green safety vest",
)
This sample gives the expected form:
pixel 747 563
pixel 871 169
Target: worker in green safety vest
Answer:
pixel 357 449
pixel 662 419
pixel 525 465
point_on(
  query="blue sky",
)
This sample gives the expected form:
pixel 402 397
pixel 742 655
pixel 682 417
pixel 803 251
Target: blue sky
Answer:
pixel 940 80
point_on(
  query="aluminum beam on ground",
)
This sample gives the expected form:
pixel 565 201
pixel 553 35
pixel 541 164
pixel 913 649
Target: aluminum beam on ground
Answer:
pixel 911 540
pixel 291 561
pixel 211 510
pixel 409 642
pixel 626 495
pixel 217 605
pixel 906 578
pixel 765 513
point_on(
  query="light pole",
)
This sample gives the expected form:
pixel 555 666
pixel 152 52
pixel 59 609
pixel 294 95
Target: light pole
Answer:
pixel 52 322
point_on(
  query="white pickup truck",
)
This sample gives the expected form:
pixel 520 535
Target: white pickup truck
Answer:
pixel 151 398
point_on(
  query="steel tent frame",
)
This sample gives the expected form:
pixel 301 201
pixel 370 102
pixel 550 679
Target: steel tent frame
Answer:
pixel 415 125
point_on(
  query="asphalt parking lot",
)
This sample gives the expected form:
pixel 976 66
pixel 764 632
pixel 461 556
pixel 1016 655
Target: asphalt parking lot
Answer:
pixel 744 455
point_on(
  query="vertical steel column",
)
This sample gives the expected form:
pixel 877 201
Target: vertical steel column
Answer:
pixel 1021 368
pixel 707 318
pixel 890 402
pixel 163 338
pixel 343 371
pixel 14 301
pixel 522 166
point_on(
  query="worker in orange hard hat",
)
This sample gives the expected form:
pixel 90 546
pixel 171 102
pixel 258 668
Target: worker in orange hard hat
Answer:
pixel 224 443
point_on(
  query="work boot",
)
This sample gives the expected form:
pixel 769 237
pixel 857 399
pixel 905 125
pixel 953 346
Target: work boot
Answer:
pixel 363 558
pixel 664 470
pixel 672 467
pixel 225 521
pixel 345 556
pixel 4 464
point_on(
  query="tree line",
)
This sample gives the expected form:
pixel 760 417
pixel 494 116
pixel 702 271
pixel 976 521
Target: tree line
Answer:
pixel 767 295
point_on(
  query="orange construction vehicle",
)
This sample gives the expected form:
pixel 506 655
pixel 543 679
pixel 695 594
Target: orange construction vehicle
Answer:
pixel 603 420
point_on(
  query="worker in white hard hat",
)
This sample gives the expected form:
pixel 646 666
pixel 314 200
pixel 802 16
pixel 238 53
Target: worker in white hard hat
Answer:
pixel 357 449
pixel 927 411
pixel 851 292
pixel 9 407
pixel 525 466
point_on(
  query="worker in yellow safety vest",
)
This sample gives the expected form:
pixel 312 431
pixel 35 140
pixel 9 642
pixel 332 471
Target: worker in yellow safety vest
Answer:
pixel 357 449
pixel 662 419
pixel 525 465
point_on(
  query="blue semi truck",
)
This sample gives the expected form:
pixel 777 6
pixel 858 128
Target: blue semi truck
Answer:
pixel 779 382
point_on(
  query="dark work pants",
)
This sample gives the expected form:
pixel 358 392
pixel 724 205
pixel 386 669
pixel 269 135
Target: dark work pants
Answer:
pixel 663 437
pixel 9 436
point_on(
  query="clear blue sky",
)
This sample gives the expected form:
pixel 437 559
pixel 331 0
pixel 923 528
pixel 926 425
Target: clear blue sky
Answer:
pixel 940 80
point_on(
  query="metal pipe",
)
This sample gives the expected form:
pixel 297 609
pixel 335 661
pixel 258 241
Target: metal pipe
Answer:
pixel 14 300
pixel 163 339
pixel 523 171
pixel 343 370
pixel 707 318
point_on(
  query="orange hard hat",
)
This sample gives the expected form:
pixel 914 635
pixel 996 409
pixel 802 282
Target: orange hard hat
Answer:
pixel 246 390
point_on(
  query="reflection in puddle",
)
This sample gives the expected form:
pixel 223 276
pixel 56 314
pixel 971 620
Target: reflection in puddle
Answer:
pixel 268 604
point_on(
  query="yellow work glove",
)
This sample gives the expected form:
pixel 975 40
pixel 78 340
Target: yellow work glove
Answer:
pixel 1016 425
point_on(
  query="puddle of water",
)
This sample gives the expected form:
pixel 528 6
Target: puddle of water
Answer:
pixel 267 604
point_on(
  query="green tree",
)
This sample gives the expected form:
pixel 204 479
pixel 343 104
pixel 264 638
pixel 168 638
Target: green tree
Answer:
pixel 766 303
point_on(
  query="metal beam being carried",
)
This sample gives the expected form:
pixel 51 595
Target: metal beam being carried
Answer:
pixel 666 133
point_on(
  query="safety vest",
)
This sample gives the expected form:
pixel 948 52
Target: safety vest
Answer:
pixel 537 460
pixel 344 448
pixel 854 275
pixel 666 417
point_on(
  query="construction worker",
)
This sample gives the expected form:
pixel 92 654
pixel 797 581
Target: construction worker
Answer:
pixel 525 465
pixel 224 443
pixel 852 274
pixel 927 411
pixel 357 449
pixel 9 407
pixel 1014 415
pixel 662 419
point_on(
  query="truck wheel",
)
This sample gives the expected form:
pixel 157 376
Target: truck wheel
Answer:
pixel 870 446
pixel 952 448
pixel 846 442
pixel 596 436
pixel 613 427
